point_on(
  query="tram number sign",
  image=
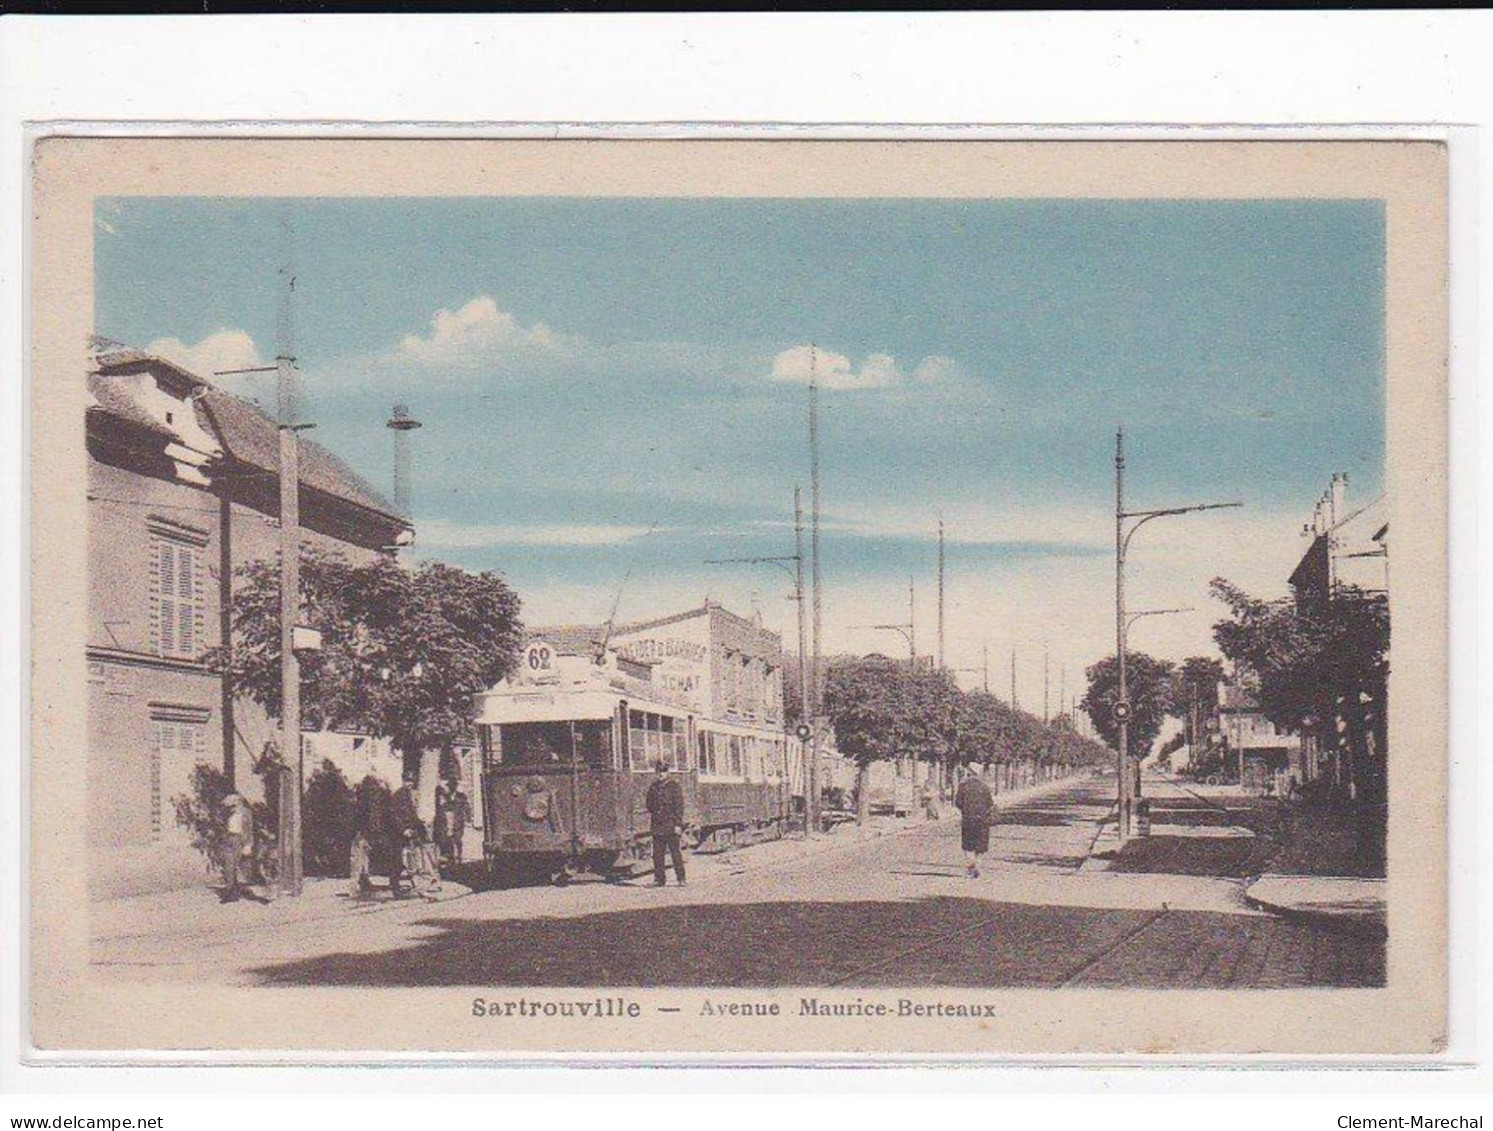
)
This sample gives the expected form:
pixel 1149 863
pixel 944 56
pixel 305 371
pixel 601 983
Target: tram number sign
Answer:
pixel 538 657
pixel 804 731
pixel 1121 711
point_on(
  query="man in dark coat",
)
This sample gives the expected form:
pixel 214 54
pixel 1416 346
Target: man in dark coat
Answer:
pixel 665 821
pixel 976 807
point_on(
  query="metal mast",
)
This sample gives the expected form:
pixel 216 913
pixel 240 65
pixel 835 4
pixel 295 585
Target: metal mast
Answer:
pixel 290 574
pixel 940 593
pixel 813 711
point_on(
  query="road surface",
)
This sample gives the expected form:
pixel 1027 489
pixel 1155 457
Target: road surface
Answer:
pixel 896 910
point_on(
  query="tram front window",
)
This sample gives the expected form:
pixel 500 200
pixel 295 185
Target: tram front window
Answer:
pixel 550 744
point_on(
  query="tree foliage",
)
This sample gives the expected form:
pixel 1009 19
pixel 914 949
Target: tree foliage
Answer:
pixel 1149 689
pixel 881 710
pixel 1299 663
pixel 404 651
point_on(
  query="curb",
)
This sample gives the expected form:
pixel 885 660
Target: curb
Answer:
pixel 1363 926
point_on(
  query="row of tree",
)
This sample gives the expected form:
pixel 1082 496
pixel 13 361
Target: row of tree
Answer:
pixel 884 710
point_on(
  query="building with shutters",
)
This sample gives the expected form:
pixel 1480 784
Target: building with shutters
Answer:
pixel 182 491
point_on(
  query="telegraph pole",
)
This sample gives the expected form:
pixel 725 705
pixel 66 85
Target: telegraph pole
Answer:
pixel 290 583
pixel 1013 677
pixel 912 624
pixel 940 593
pixel 815 691
pixel 985 665
pixel 811 802
pixel 797 573
pixel 1046 683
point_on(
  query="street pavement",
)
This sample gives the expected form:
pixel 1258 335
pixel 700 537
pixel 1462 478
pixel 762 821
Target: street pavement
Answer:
pixel 848 910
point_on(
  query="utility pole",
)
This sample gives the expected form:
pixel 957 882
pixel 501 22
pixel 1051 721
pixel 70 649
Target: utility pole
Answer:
pixel 796 571
pixel 811 802
pixel 290 582
pixel 985 665
pixel 1128 790
pixel 940 593
pixel 912 625
pixel 1122 766
pixel 1013 678
pixel 1046 682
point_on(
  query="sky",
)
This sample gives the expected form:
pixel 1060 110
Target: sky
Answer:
pixel 614 391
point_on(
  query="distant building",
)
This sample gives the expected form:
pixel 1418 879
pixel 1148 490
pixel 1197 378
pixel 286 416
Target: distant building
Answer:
pixel 183 490
pixel 725 666
pixel 1265 756
pixel 1347 551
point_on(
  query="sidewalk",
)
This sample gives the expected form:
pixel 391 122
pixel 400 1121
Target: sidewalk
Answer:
pixel 1321 873
pixel 190 909
pixel 1346 901
pixel 1296 861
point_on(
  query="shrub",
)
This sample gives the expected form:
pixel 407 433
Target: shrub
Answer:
pixel 326 822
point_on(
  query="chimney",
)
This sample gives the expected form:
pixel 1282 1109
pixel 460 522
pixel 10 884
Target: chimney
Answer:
pixel 402 424
pixel 1337 491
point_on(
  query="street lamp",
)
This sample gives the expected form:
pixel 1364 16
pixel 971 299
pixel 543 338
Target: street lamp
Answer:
pixel 1128 791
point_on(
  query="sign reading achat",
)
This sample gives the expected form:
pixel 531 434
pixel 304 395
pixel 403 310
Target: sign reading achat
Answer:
pixel 680 665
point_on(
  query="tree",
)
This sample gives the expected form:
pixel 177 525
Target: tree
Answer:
pixel 1148 686
pixel 404 652
pixel 1310 668
pixel 870 705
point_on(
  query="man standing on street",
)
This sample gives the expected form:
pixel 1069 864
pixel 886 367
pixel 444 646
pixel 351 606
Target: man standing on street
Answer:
pixel 666 821
pixel 237 846
pixel 975 807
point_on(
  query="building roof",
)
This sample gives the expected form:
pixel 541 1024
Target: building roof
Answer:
pixel 253 438
pixel 111 400
pixel 246 433
pixel 570 639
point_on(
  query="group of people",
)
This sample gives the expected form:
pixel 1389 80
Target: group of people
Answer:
pixel 390 838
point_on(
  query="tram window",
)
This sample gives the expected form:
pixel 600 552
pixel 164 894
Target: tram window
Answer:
pixel 535 744
pixel 594 745
pixel 637 740
pixel 735 747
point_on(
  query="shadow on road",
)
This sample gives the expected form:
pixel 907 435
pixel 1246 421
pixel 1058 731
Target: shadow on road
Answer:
pixel 935 941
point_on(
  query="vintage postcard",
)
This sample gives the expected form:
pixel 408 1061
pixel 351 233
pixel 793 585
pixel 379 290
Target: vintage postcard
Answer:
pixel 761 599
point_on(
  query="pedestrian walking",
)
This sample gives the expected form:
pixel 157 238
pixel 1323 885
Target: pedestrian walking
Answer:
pixel 666 822
pixel 976 806
pixel 236 850
pixel 404 816
pixel 420 863
pixel 443 816
pixel 461 817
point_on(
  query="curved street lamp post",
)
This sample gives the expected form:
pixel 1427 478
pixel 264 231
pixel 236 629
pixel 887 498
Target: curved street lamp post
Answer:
pixel 1128 791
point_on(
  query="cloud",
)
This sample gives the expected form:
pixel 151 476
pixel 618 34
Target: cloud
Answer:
pixel 450 535
pixel 876 371
pixel 477 334
pixel 219 351
pixel 937 369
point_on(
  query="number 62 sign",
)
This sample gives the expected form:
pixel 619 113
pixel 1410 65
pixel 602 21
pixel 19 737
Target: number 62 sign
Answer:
pixel 537 658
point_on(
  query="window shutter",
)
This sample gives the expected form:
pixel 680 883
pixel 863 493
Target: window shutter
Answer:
pixel 167 614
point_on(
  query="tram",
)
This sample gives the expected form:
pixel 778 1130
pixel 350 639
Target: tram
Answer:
pixel 568 748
